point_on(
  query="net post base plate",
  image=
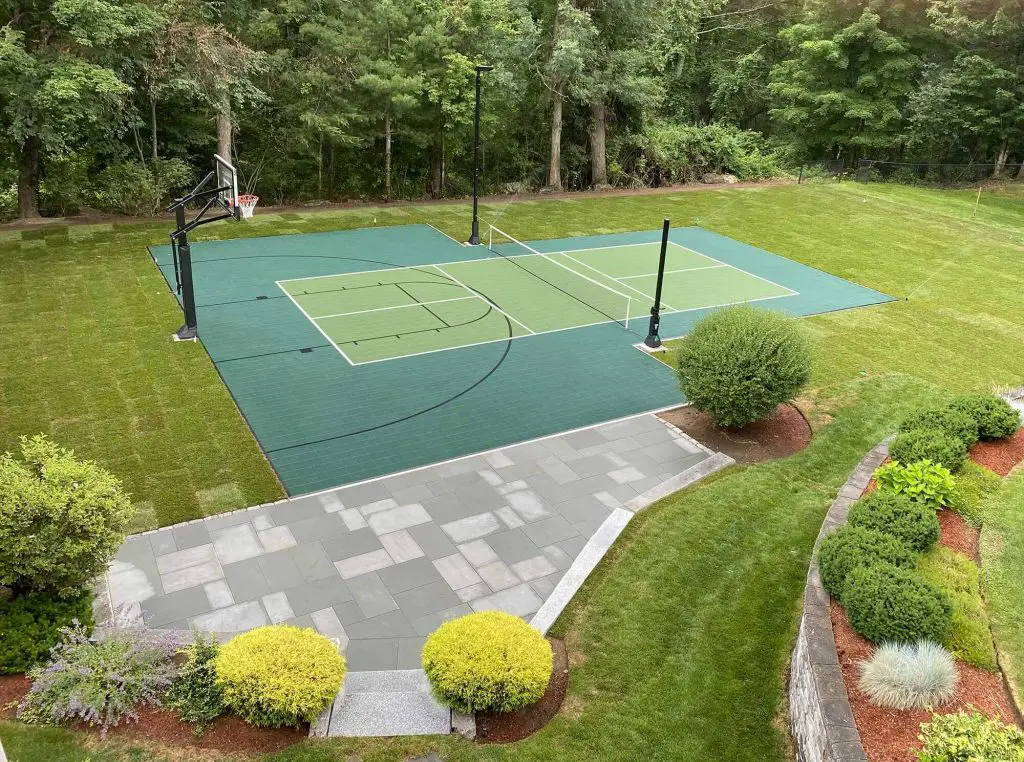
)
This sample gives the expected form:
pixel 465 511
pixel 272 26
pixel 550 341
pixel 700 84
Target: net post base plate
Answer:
pixel 185 333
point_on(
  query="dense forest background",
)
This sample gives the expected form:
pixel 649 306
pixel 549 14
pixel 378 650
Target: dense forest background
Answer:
pixel 116 104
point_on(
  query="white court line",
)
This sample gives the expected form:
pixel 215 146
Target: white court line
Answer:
pixel 669 272
pixel 396 307
pixel 569 328
pixel 347 358
pixel 460 243
pixel 734 267
pixel 479 296
pixel 624 285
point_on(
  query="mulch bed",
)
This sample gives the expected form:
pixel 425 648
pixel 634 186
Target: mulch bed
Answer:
pixel 957 534
pixel 12 689
pixel 890 735
pixel 1001 455
pixel 505 727
pixel 782 433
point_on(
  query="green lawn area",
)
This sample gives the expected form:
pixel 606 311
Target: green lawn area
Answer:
pixel 681 638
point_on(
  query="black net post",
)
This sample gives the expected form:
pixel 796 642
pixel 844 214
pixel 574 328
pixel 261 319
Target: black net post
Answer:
pixel 653 340
pixel 188 296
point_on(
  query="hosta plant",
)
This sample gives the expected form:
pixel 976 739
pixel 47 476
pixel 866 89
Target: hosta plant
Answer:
pixel 923 481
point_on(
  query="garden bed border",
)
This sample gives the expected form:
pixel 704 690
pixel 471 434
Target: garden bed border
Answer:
pixel 820 715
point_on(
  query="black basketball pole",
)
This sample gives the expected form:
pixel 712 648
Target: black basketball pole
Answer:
pixel 474 238
pixel 653 340
pixel 188 295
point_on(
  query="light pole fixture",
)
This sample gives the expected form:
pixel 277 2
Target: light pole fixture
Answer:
pixel 474 238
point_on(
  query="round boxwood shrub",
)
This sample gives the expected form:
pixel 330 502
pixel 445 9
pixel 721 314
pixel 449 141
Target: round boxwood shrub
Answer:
pixel 996 418
pixel 279 675
pixel 929 444
pixel 487 661
pixel 740 363
pixel 61 519
pixel 956 423
pixel 30 626
pixel 912 523
pixel 850 547
pixel 889 603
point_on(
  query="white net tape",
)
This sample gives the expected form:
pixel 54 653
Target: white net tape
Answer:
pixel 247 204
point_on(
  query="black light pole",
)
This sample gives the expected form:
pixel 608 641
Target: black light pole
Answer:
pixel 474 238
pixel 653 340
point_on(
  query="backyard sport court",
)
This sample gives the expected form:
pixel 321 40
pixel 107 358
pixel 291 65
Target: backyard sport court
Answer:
pixel 355 354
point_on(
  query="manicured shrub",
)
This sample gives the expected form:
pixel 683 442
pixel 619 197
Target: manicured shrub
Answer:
pixel 738 364
pixel 195 692
pixel 279 675
pixel 888 603
pixel 61 519
pixel 973 484
pixel 926 482
pixel 910 522
pixel 929 444
pixel 99 683
pixel 31 625
pixel 969 638
pixel 850 547
pixel 909 675
pixel 970 737
pixel 996 418
pixel 955 423
pixel 487 661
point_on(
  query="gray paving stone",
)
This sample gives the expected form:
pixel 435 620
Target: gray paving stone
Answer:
pixel 498 459
pixel 262 522
pixel 549 531
pixel 163 542
pixel 320 527
pixel 348 612
pixel 159 612
pixel 353 519
pixel 402 517
pixel 362 494
pixel 246 580
pixel 509 517
pixel 127 583
pixel 533 568
pixel 478 553
pixel 557 556
pixel 352 544
pixel 327 624
pixel 363 564
pixel 542 587
pixel 513 546
pixel 481 496
pixel 472 527
pixel 312 562
pixel 572 546
pixel 585 438
pixel 498 576
pixel 399 482
pixel 377 506
pixel 330 502
pixel 591 465
pixel 528 505
pixel 372 655
pixel 456 571
pixel 191 535
pixel 654 437
pixel 275 538
pixel 280 570
pixel 393 624
pixel 232 519
pixel 233 544
pixel 320 594
pixel 409 575
pixel 371 595
pixel 238 618
pixel 447 507
pixel 520 600
pixel 302 621
pixel 519 471
pixel 417 493
pixel 410 652
pixel 182 559
pixel 583 509
pixel 295 510
pixel 471 593
pixel 432 539
pixel 219 594
pixel 428 599
pixel 427 623
pixel 136 551
pixel 277 607
pixel 561 449
pixel 191 576
pixel 401 546
pixel 587 527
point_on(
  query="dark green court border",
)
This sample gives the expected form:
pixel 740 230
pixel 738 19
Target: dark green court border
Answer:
pixel 323 423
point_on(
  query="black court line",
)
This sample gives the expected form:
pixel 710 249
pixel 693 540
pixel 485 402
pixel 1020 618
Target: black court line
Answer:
pixel 438 317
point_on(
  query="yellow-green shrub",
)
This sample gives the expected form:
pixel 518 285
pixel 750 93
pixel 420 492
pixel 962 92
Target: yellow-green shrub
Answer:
pixel 487 661
pixel 280 675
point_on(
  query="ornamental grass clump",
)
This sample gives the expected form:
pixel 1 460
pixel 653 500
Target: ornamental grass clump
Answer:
pixel 740 363
pixel 912 523
pixel 280 675
pixel 100 683
pixel 487 661
pixel 851 547
pixel 909 675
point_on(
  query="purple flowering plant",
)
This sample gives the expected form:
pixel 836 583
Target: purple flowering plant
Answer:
pixel 100 682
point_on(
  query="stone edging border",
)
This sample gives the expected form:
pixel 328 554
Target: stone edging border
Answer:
pixel 820 715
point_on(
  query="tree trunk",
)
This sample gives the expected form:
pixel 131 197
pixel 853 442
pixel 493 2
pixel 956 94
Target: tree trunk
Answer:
pixel 224 127
pixel 437 168
pixel 387 157
pixel 555 165
pixel 598 160
pixel 152 124
pixel 1020 172
pixel 1004 154
pixel 28 178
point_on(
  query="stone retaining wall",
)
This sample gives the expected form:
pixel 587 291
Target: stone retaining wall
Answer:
pixel 821 718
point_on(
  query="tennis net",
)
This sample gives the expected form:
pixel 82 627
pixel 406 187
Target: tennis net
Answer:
pixel 613 304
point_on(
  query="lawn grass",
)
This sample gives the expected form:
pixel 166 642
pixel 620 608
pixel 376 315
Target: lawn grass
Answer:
pixel 681 637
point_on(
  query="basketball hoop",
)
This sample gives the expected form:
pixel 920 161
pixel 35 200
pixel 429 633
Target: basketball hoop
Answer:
pixel 247 204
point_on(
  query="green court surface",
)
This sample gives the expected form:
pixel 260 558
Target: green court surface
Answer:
pixel 385 314
pixel 354 354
